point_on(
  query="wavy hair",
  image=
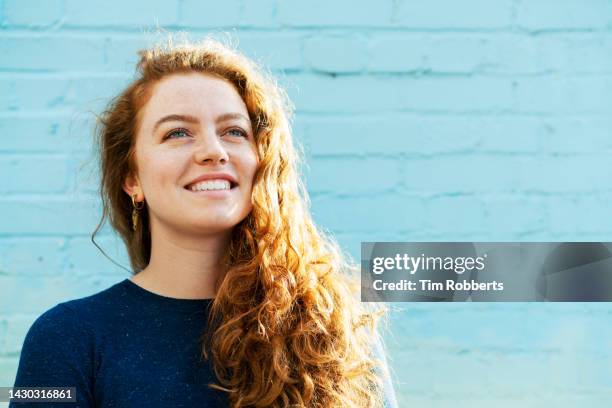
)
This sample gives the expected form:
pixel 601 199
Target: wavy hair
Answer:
pixel 286 327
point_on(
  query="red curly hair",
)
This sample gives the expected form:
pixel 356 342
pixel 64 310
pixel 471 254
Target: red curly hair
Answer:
pixel 286 326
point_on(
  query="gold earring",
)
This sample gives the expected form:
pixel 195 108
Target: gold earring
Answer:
pixel 135 211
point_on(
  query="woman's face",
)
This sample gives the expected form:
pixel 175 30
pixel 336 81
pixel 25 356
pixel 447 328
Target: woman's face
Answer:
pixel 195 125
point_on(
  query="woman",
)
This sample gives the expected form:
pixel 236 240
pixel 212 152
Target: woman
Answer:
pixel 238 300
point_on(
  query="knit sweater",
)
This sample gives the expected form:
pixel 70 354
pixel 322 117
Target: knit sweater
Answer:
pixel 126 347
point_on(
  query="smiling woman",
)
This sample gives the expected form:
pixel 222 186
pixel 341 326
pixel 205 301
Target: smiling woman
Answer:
pixel 237 298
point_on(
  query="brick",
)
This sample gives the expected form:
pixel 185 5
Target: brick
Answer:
pixel 31 256
pixel 460 174
pixel 578 215
pixel 48 132
pixel 321 53
pixel 320 13
pixel 121 51
pixel 17 328
pixel 475 54
pixel 501 53
pixel 460 369
pixel 261 13
pixel 32 174
pixel 32 13
pixel 3 333
pixel 388 212
pixel 395 53
pixel 418 135
pixel 507 134
pixel 117 13
pixel 468 333
pixel 585 173
pixel 441 14
pixel 504 53
pixel 84 175
pixel 42 92
pixel 353 175
pixel 21 93
pixel 556 94
pixel 441 94
pixel 447 375
pixel 508 218
pixel 277 51
pixel 560 134
pixel 299 134
pixel 194 13
pixel 457 53
pixel 455 215
pixel 36 295
pixel 568 14
pixel 551 53
pixel 44 215
pixel 82 257
pixel 8 371
pixel 495 173
pixel 351 242
pixel 590 53
pixel 481 400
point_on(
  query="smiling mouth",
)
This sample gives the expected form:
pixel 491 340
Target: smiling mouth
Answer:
pixel 232 187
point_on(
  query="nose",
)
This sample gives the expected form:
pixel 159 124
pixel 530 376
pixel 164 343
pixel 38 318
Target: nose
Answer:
pixel 210 149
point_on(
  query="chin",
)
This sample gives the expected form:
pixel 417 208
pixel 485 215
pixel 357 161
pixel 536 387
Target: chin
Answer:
pixel 214 226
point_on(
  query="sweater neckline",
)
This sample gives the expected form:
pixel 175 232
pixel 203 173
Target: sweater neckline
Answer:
pixel 165 301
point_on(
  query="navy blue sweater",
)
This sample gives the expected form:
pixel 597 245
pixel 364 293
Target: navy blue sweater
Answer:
pixel 125 347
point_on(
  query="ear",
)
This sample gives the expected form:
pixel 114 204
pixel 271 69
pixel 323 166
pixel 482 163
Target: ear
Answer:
pixel 131 186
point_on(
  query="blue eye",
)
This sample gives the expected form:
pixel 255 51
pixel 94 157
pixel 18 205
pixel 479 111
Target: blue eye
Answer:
pixel 232 132
pixel 237 132
pixel 175 132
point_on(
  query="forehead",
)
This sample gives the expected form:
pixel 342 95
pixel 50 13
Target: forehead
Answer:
pixel 193 93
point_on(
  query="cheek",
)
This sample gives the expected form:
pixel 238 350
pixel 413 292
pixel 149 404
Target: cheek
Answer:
pixel 157 170
pixel 250 167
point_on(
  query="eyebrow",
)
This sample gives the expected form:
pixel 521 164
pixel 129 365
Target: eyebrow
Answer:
pixel 192 119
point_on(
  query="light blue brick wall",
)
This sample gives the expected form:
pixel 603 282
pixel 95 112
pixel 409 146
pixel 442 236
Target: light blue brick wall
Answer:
pixel 421 120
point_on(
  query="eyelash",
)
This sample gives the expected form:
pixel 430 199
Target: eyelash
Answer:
pixel 182 130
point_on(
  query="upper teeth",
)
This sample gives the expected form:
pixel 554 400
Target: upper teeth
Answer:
pixel 211 185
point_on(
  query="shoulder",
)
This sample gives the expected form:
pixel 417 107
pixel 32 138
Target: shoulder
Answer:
pixel 104 299
pixel 56 350
pixel 65 336
pixel 54 328
pixel 51 319
pixel 59 351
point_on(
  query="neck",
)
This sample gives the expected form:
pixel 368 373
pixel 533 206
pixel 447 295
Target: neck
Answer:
pixel 184 266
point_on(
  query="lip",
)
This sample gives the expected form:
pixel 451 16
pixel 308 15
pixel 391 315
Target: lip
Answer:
pixel 214 176
pixel 212 193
